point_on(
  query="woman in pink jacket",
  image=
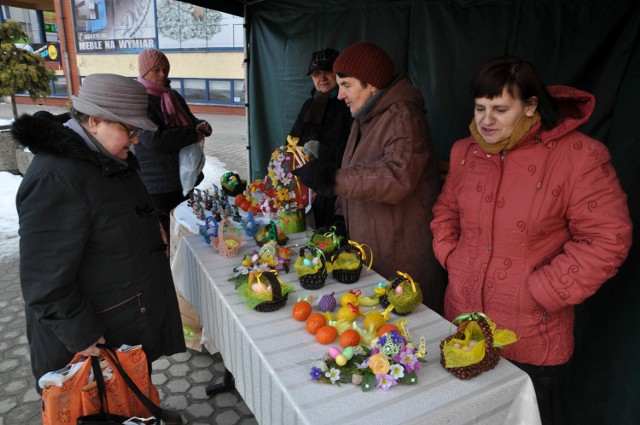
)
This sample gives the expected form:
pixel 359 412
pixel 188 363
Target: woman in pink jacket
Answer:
pixel 531 220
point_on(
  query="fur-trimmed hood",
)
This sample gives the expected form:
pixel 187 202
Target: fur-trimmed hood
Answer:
pixel 44 132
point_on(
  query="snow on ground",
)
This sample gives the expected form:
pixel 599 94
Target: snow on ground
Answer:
pixel 9 183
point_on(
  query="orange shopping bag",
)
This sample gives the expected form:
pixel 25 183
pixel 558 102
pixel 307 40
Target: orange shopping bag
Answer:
pixel 78 395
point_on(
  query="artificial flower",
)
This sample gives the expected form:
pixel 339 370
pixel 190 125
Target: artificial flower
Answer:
pixel 379 364
pixel 333 374
pixel 385 382
pixel 397 371
pixel 390 360
pixel 316 373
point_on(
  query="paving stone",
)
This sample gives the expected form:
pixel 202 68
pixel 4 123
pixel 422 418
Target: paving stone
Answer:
pixel 15 387
pixel 159 378
pixel 227 418
pixel 161 364
pixel 202 360
pixel 179 369
pixel 201 410
pixel 182 357
pixel 177 385
pixel 31 395
pixel 198 392
pixel 226 399
pixel 175 402
pixel 201 376
pixel 8 365
pixel 7 404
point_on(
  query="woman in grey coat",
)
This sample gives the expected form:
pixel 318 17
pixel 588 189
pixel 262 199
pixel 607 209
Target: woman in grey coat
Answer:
pixel 93 259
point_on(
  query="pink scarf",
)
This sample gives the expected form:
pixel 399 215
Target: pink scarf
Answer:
pixel 172 110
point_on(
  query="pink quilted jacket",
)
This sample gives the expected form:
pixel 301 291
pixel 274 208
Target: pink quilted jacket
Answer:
pixel 527 234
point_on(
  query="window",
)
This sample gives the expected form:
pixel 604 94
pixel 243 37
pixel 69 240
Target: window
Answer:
pixel 194 90
pixel 219 91
pixel 238 91
pixel 59 86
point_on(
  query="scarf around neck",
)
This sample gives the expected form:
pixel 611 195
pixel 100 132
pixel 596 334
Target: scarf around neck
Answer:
pixel 91 141
pixel 172 111
pixel 521 128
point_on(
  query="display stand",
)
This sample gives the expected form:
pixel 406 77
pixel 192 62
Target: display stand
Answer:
pixel 228 383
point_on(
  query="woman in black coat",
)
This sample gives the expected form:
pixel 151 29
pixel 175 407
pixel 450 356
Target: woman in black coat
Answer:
pixel 93 260
pixel 323 126
pixel 159 151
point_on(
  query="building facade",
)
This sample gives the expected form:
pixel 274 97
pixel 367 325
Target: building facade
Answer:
pixel 81 37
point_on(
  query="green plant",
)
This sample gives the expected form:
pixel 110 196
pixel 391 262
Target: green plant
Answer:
pixel 21 70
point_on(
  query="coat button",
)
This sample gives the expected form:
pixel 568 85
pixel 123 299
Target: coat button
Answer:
pixel 488 247
pixel 488 155
pixel 143 310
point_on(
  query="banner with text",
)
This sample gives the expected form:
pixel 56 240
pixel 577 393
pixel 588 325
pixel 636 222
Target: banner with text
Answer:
pixel 114 25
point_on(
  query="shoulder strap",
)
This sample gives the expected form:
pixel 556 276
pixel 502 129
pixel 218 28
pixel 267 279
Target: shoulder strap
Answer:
pixel 102 390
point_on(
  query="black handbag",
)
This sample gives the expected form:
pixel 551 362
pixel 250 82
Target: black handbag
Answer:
pixel 161 416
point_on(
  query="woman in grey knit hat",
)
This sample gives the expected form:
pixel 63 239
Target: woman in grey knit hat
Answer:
pixel 93 262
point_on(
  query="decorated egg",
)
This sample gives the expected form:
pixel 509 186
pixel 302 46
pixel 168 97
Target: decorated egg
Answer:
pixel 348 353
pixel 334 352
pixel 255 258
pixel 256 287
pixel 399 290
pixel 327 303
pixel 315 261
pixel 341 360
pixel 307 262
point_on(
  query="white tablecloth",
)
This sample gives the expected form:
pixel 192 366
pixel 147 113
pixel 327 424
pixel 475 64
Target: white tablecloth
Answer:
pixel 270 356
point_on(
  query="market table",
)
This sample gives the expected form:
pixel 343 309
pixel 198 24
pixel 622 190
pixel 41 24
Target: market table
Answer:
pixel 270 356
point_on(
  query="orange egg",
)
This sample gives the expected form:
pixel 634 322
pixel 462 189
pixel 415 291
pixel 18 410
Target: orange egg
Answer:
pixel 326 334
pixel 349 338
pixel 387 328
pixel 314 322
pixel 301 310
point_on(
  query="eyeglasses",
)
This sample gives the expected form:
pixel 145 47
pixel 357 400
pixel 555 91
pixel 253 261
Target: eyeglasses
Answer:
pixel 132 133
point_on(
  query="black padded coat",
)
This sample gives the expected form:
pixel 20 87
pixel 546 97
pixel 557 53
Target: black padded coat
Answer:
pixel 332 132
pixel 158 151
pixel 92 260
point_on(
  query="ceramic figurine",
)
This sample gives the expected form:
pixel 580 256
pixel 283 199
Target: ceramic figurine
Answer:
pixel 236 214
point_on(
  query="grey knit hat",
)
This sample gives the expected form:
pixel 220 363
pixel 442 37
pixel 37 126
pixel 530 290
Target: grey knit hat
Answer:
pixel 115 98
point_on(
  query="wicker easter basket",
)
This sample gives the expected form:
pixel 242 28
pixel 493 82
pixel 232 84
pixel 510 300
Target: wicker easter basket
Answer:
pixel 209 231
pixel 277 299
pixel 323 233
pixel 250 225
pixel 225 249
pixel 315 280
pixel 231 189
pixel 393 284
pixel 343 275
pixel 384 299
pixel 262 235
pixel 491 356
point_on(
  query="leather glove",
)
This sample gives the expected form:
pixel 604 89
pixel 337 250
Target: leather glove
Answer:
pixel 319 176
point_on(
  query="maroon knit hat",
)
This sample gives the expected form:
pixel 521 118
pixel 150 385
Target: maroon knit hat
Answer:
pixel 149 59
pixel 366 62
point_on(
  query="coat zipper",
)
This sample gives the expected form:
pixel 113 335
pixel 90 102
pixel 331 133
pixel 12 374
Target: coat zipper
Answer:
pixel 121 303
